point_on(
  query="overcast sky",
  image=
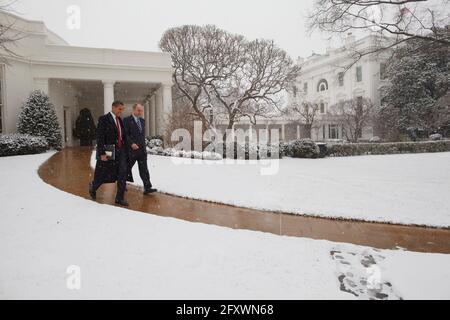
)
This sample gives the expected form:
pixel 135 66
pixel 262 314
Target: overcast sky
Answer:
pixel 139 24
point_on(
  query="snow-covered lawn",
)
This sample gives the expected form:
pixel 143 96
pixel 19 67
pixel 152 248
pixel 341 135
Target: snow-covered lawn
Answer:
pixel 126 254
pixel 406 189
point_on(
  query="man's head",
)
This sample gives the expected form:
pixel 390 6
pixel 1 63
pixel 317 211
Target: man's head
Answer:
pixel 138 110
pixel 117 108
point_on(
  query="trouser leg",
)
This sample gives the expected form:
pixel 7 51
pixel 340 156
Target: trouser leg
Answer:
pixel 143 172
pixel 121 175
pixel 98 177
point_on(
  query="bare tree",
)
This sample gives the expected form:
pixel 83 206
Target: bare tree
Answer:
pixel 254 88
pixel 305 113
pixel 354 115
pixel 8 35
pixel 223 71
pixel 201 55
pixel 399 20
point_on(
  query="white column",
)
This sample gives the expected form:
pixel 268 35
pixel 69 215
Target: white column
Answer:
pixel 167 105
pixel 298 132
pixel 41 84
pixel 108 94
pixel 159 112
pixel 283 127
pixel 152 118
pixel 167 99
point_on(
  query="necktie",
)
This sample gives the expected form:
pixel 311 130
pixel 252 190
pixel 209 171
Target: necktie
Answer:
pixel 119 137
pixel 138 122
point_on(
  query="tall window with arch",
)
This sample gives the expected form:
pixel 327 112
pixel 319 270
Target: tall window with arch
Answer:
pixel 322 107
pixel 322 85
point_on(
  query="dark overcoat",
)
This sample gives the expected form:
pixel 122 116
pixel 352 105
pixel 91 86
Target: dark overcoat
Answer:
pixel 107 135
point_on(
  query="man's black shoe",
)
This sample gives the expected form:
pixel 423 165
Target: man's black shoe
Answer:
pixel 123 203
pixel 92 192
pixel 150 191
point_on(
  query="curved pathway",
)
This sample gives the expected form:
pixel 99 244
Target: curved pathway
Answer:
pixel 70 171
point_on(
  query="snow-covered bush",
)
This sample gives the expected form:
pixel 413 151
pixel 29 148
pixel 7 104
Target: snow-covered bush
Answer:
pixel 375 139
pixel 356 149
pixel 156 151
pixel 38 118
pixel 247 151
pixel 206 155
pixel 273 151
pixel 153 143
pixel 436 137
pixel 20 144
pixel 304 148
pixel 172 152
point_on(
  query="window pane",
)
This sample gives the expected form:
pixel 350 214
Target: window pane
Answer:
pixel 359 74
pixel 341 79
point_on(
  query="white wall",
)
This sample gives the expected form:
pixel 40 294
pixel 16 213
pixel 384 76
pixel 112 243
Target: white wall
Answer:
pixel 17 87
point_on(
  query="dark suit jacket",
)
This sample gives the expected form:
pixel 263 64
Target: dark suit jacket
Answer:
pixel 107 132
pixel 134 135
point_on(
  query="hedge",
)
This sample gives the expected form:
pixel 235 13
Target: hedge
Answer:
pixel 357 149
pixel 21 144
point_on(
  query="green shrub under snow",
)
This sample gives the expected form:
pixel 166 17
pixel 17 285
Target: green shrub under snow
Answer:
pixel 38 118
pixel 304 148
pixel 21 144
pixel 247 151
pixel 356 149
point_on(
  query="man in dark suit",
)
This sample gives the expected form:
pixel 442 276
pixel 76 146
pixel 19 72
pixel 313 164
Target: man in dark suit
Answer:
pixel 111 132
pixel 137 151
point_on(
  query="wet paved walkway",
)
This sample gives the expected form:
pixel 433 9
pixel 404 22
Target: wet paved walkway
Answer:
pixel 70 171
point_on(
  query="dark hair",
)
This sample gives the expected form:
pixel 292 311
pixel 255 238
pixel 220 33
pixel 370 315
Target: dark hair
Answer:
pixel 117 103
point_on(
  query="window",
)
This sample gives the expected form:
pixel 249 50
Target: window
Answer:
pixel 341 79
pixel 211 115
pixel 322 85
pixel 382 71
pixel 358 74
pixel 1 98
pixel 305 87
pixel 333 131
pixel 322 107
pixel 295 91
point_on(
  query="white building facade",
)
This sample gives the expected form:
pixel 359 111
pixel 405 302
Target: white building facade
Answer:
pixel 78 77
pixel 335 76
pixel 324 81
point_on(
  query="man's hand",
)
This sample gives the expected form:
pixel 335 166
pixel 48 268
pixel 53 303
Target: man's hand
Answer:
pixel 134 146
pixel 104 157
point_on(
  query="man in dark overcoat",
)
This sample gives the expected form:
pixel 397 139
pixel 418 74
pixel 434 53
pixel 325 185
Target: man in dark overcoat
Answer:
pixel 137 149
pixel 111 134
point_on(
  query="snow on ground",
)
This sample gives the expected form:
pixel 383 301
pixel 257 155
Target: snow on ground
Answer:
pixel 406 189
pixel 131 255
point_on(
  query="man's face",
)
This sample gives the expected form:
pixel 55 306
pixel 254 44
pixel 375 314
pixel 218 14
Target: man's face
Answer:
pixel 118 110
pixel 138 111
